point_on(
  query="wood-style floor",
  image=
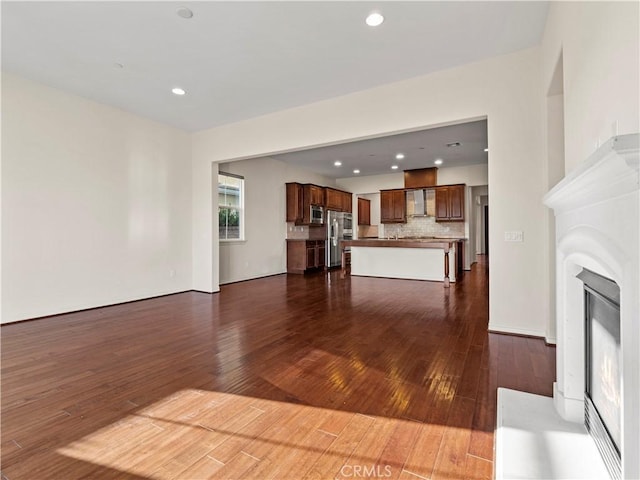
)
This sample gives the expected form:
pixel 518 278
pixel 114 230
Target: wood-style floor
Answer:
pixel 286 377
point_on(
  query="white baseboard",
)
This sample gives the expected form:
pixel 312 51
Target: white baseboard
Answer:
pixel 251 277
pixel 494 328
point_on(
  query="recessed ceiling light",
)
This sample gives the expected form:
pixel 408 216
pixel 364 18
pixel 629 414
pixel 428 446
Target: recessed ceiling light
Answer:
pixel 184 12
pixel 394 167
pixel 178 91
pixel 486 149
pixel 399 156
pixel 438 161
pixel 374 19
pixel 337 163
pixel 453 144
pixel 356 171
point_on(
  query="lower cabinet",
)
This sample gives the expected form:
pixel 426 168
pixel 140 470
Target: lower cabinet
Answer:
pixel 305 255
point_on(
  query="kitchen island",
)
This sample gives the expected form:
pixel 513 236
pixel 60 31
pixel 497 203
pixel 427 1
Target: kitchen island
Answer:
pixel 433 259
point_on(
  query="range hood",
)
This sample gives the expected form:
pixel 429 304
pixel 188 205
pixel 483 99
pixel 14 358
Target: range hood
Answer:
pixel 419 204
pixel 423 202
pixel 417 184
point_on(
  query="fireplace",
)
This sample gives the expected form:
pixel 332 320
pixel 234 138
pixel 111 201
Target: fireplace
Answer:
pixel 591 427
pixel 597 207
pixel 603 362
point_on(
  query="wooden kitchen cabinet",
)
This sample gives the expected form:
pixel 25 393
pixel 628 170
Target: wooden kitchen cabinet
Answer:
pixel 450 203
pixel 315 194
pixel 347 202
pixel 305 255
pixel 334 199
pixel 300 197
pixel 421 177
pixel 295 203
pixel 338 200
pixel 393 206
pixel 364 211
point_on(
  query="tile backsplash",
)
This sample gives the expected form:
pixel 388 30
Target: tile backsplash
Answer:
pixel 423 226
pixel 368 231
pixel 304 232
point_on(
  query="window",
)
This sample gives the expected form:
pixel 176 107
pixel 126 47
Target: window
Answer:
pixel 230 206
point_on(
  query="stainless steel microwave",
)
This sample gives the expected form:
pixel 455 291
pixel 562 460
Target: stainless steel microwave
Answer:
pixel 317 214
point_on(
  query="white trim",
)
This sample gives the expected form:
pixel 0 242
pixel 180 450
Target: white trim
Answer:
pixel 493 328
pixel 237 280
pixel 231 241
pixel 612 171
pixel 571 409
pixel 240 208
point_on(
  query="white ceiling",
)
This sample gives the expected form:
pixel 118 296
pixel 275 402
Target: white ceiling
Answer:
pixel 238 60
pixel 377 155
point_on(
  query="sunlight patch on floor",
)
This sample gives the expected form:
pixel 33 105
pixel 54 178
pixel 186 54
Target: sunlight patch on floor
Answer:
pixel 203 434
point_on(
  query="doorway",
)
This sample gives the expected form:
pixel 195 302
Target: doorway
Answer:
pixel 486 229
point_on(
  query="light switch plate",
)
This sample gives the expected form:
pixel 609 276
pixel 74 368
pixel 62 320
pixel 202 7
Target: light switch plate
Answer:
pixel 516 236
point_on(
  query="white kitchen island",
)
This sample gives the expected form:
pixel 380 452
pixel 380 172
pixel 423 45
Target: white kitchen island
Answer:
pixel 413 259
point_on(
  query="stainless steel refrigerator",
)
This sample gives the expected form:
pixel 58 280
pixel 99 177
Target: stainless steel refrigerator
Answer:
pixel 339 227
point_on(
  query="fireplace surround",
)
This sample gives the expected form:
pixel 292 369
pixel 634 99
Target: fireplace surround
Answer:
pixel 597 211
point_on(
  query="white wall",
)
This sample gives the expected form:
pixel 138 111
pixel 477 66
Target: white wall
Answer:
pixel 472 175
pixel 96 205
pixel 505 90
pixel 371 183
pixel 600 46
pixel 593 50
pixel 264 250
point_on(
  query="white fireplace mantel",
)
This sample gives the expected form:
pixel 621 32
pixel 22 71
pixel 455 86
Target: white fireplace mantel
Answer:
pixel 597 210
pixel 597 213
pixel 612 171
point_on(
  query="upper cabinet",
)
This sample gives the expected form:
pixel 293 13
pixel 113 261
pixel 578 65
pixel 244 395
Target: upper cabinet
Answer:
pixel 393 206
pixel 364 211
pixel 338 200
pixel 334 199
pixel 450 203
pixel 315 194
pixel 300 197
pixel 295 203
pixel 347 202
pixel 421 178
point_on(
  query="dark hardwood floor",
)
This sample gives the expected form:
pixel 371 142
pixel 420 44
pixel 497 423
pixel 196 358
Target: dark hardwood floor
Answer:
pixel 286 377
